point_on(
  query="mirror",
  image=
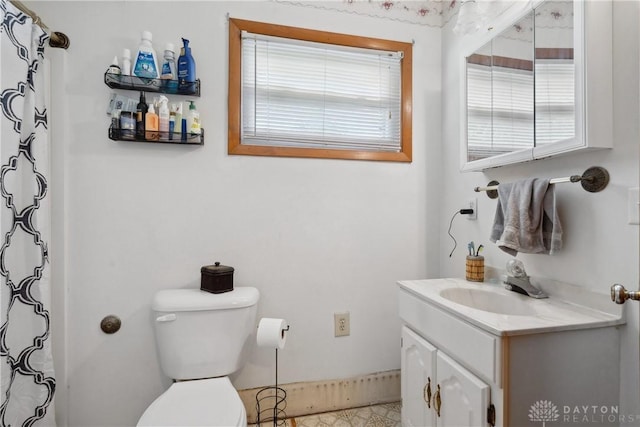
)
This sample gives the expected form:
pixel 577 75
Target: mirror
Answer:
pixel 512 87
pixel 500 84
pixel 554 72
pixel 524 84
pixel 479 127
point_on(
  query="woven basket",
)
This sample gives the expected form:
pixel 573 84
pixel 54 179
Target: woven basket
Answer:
pixel 475 268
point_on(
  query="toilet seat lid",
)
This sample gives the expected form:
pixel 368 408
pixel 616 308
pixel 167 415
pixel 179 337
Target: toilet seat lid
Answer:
pixel 209 402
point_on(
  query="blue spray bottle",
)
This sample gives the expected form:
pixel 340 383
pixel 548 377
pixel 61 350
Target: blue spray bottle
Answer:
pixel 186 69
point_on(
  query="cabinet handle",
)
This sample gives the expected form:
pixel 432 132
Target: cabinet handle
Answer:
pixel 437 401
pixel 426 392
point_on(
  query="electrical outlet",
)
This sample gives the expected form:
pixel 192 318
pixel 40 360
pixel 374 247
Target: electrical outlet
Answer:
pixel 472 204
pixel 341 324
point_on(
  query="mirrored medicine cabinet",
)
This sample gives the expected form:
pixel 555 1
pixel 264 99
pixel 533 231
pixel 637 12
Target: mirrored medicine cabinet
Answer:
pixel 538 83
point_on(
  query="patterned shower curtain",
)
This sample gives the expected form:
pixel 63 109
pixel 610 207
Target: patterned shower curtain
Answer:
pixel 26 365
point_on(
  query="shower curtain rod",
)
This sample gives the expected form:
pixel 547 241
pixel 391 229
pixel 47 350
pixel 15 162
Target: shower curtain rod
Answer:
pixel 56 38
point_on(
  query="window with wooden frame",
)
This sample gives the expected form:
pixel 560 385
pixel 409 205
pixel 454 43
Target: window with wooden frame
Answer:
pixel 296 92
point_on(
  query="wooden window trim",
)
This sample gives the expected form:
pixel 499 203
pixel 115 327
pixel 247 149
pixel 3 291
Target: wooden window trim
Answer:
pixel 236 26
pixel 520 64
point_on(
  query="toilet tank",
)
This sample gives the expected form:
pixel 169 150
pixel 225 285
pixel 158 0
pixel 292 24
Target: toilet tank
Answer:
pixel 201 334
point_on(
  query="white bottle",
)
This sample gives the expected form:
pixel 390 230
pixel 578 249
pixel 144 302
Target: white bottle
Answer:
pixel 146 62
pixel 126 62
pixel 169 64
pixel 193 120
pixel 114 68
pixel 168 72
pixel 163 115
pixel 178 126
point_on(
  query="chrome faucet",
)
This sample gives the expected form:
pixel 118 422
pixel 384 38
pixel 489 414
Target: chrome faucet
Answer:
pixel 518 281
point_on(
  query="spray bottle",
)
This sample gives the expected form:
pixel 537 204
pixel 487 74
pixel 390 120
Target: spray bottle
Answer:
pixel 178 125
pixel 163 118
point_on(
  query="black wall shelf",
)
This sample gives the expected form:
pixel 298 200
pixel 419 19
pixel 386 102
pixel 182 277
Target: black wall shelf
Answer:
pixel 171 87
pixel 191 139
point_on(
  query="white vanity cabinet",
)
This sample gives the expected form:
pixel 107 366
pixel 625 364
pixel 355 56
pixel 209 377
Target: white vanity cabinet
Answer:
pixel 468 367
pixel 429 378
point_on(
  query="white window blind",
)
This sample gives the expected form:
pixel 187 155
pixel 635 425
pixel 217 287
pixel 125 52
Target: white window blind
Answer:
pixel 479 132
pixel 555 100
pixel 500 110
pixel 305 94
pixel 501 101
pixel 512 109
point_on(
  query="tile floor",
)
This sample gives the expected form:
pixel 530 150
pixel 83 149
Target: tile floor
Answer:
pixel 384 415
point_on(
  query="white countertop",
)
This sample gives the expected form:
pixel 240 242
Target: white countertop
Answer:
pixel 585 309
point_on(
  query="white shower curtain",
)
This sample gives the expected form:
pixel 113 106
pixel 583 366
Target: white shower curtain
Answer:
pixel 26 365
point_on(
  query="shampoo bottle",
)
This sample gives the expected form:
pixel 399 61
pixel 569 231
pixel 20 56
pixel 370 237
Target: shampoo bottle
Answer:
pixel 163 118
pixel 186 69
pixel 146 62
pixel 151 125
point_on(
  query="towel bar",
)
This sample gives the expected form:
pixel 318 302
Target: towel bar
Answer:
pixel 593 180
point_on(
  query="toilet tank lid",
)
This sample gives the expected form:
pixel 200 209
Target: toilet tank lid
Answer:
pixel 197 300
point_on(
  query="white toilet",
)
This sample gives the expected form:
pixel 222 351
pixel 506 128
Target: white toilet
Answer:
pixel 200 338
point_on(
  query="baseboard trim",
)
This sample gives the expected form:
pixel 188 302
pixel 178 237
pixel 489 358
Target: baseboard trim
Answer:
pixel 312 397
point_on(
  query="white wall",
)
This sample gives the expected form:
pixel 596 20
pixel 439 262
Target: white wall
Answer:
pixel 600 248
pixel 314 236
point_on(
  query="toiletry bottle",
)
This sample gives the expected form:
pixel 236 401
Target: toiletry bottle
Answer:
pixel 141 112
pixel 114 68
pixel 146 62
pixel 163 118
pixel 151 125
pixel 193 120
pixel 126 62
pixel 127 125
pixel 178 128
pixel 172 121
pixel 183 128
pixel 115 123
pixel 186 69
pixel 169 72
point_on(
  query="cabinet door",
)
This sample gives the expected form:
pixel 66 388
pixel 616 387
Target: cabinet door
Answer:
pixel 464 398
pixel 418 370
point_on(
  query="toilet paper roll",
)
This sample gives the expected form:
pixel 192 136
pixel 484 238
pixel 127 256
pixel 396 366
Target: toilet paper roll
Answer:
pixel 272 333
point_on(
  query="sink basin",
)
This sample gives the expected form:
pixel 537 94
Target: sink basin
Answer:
pixel 488 301
pixel 489 306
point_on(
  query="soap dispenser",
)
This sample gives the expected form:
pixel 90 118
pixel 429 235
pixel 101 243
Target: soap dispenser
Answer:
pixel 193 120
pixel 186 69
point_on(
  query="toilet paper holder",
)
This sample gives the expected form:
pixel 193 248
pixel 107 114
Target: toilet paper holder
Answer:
pixel 271 401
pixel 275 400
